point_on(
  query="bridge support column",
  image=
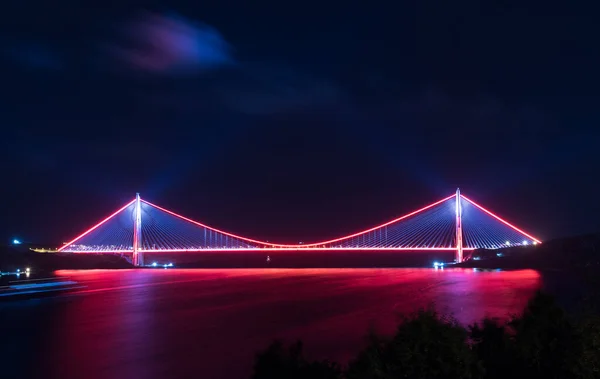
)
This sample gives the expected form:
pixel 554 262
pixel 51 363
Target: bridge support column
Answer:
pixel 138 255
pixel 459 235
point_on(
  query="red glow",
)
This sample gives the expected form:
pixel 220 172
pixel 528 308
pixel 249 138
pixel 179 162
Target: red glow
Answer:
pixel 501 220
pixel 96 226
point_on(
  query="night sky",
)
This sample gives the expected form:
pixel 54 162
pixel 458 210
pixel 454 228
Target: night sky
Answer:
pixel 297 121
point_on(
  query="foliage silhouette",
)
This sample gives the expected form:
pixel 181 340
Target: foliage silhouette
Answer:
pixel 277 362
pixel 542 342
pixel 546 342
pixel 425 345
pixel 493 347
pixel 589 361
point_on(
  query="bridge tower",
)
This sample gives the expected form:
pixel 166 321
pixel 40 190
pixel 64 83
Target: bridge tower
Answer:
pixel 459 235
pixel 138 255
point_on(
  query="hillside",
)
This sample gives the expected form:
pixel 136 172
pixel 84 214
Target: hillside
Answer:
pixel 564 253
pixel 12 258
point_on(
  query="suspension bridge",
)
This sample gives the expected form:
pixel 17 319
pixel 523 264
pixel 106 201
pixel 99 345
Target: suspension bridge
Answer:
pixel 453 223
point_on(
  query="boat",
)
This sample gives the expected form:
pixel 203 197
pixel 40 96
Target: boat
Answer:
pixel 35 288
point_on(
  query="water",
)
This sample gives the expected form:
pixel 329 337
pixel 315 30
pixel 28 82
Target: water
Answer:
pixel 210 323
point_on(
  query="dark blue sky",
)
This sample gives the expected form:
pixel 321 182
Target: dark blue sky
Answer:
pixel 297 122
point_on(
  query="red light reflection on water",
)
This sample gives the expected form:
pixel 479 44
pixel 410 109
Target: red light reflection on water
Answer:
pixel 209 323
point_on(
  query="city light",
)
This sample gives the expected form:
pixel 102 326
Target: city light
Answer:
pixel 524 242
pixel 16 242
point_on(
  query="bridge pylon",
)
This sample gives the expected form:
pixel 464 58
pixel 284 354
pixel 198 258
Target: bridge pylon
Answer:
pixel 138 255
pixel 459 233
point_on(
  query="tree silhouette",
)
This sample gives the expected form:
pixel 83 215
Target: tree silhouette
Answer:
pixel 588 364
pixel 546 343
pixel 541 343
pixel 425 345
pixel 277 362
pixel 493 347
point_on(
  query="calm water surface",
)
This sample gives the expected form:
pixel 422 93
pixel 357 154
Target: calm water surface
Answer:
pixel 210 323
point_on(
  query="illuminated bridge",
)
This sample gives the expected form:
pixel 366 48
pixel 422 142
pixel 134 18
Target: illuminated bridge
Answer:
pixel 453 223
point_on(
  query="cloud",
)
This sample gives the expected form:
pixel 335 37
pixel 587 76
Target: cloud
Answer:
pixel 162 44
pixel 257 89
pixel 172 46
pixel 33 55
pixel 269 88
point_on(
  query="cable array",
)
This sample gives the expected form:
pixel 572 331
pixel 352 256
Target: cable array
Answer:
pixel 428 229
pixel 162 230
pixel 431 227
pixel 482 229
pixel 114 234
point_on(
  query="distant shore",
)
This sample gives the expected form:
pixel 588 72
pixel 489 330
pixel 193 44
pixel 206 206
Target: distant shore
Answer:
pixel 575 254
pixel 246 259
pixel 581 252
pixel 11 260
